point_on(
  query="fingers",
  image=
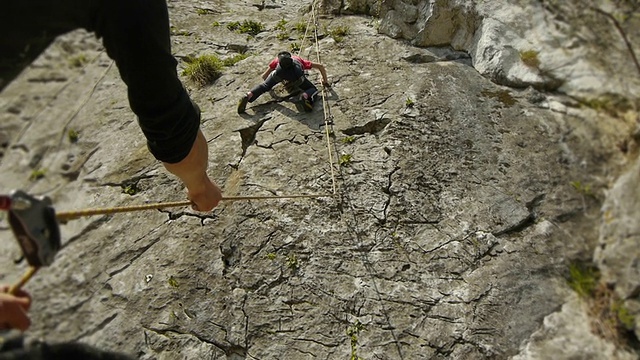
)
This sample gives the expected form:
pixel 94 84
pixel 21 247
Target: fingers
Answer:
pixel 207 198
pixel 13 311
pixel 23 297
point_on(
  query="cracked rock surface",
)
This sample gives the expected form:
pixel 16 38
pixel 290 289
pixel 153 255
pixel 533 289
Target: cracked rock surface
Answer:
pixel 451 215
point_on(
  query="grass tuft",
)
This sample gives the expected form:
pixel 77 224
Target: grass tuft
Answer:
pixel 250 27
pixel 230 61
pixel 203 70
pixel 339 32
pixel 610 319
pixel 583 279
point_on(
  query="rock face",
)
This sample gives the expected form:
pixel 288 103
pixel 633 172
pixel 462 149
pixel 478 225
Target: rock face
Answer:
pixel 454 191
pixel 583 49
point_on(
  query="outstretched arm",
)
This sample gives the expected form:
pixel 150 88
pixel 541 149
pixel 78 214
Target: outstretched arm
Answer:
pixel 192 170
pixel 266 73
pixel 323 72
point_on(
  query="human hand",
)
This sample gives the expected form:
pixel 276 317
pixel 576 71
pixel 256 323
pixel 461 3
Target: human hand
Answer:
pixel 326 84
pixel 204 197
pixel 13 309
pixel 192 170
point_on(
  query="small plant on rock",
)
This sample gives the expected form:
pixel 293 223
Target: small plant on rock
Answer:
pixel 530 58
pixel 176 32
pixel 409 103
pixel 301 27
pixel 202 11
pixel 130 188
pixel 37 174
pixel 583 279
pixel 73 136
pixel 338 33
pixel 292 262
pixel 250 27
pixel 353 331
pixel 78 61
pixel 203 70
pixel 345 159
pixel 610 319
pixel 348 139
pixel 173 282
pixel 234 59
pixel 584 189
pixel 281 25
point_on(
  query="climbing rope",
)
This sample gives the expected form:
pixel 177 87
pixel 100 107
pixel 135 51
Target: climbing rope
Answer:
pixel 326 109
pixel 71 215
pixel 23 280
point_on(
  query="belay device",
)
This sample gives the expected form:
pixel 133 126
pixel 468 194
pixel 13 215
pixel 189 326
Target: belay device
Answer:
pixel 33 222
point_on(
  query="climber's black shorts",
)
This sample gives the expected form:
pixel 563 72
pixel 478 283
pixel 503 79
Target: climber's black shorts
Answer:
pixel 136 35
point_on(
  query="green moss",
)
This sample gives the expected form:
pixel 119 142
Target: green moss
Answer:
pixel 176 32
pixel 173 282
pixel 292 262
pixel 281 25
pixel 203 70
pixel 37 174
pixel 502 96
pixel 610 319
pixel 78 60
pixel 130 189
pixel 345 159
pixel 339 32
pixel 250 27
pixel 295 47
pixel 204 11
pixel 73 136
pixel 616 107
pixel 348 140
pixel 301 27
pixel 583 279
pixel 602 104
pixel 530 58
pixel 625 318
pixel 353 331
pixel 409 103
pixel 230 61
pixel 584 189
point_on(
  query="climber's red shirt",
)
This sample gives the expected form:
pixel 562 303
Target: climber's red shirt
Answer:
pixel 306 64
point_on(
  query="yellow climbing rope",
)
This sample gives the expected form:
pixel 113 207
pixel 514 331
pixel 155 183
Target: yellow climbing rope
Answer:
pixel 72 215
pixel 313 19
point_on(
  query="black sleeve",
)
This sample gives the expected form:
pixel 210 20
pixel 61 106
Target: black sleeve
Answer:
pixel 136 35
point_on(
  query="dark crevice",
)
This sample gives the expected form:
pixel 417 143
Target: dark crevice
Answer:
pixel 98 328
pixel 139 252
pixel 248 135
pixel 521 225
pixel 228 348
pixel 372 127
